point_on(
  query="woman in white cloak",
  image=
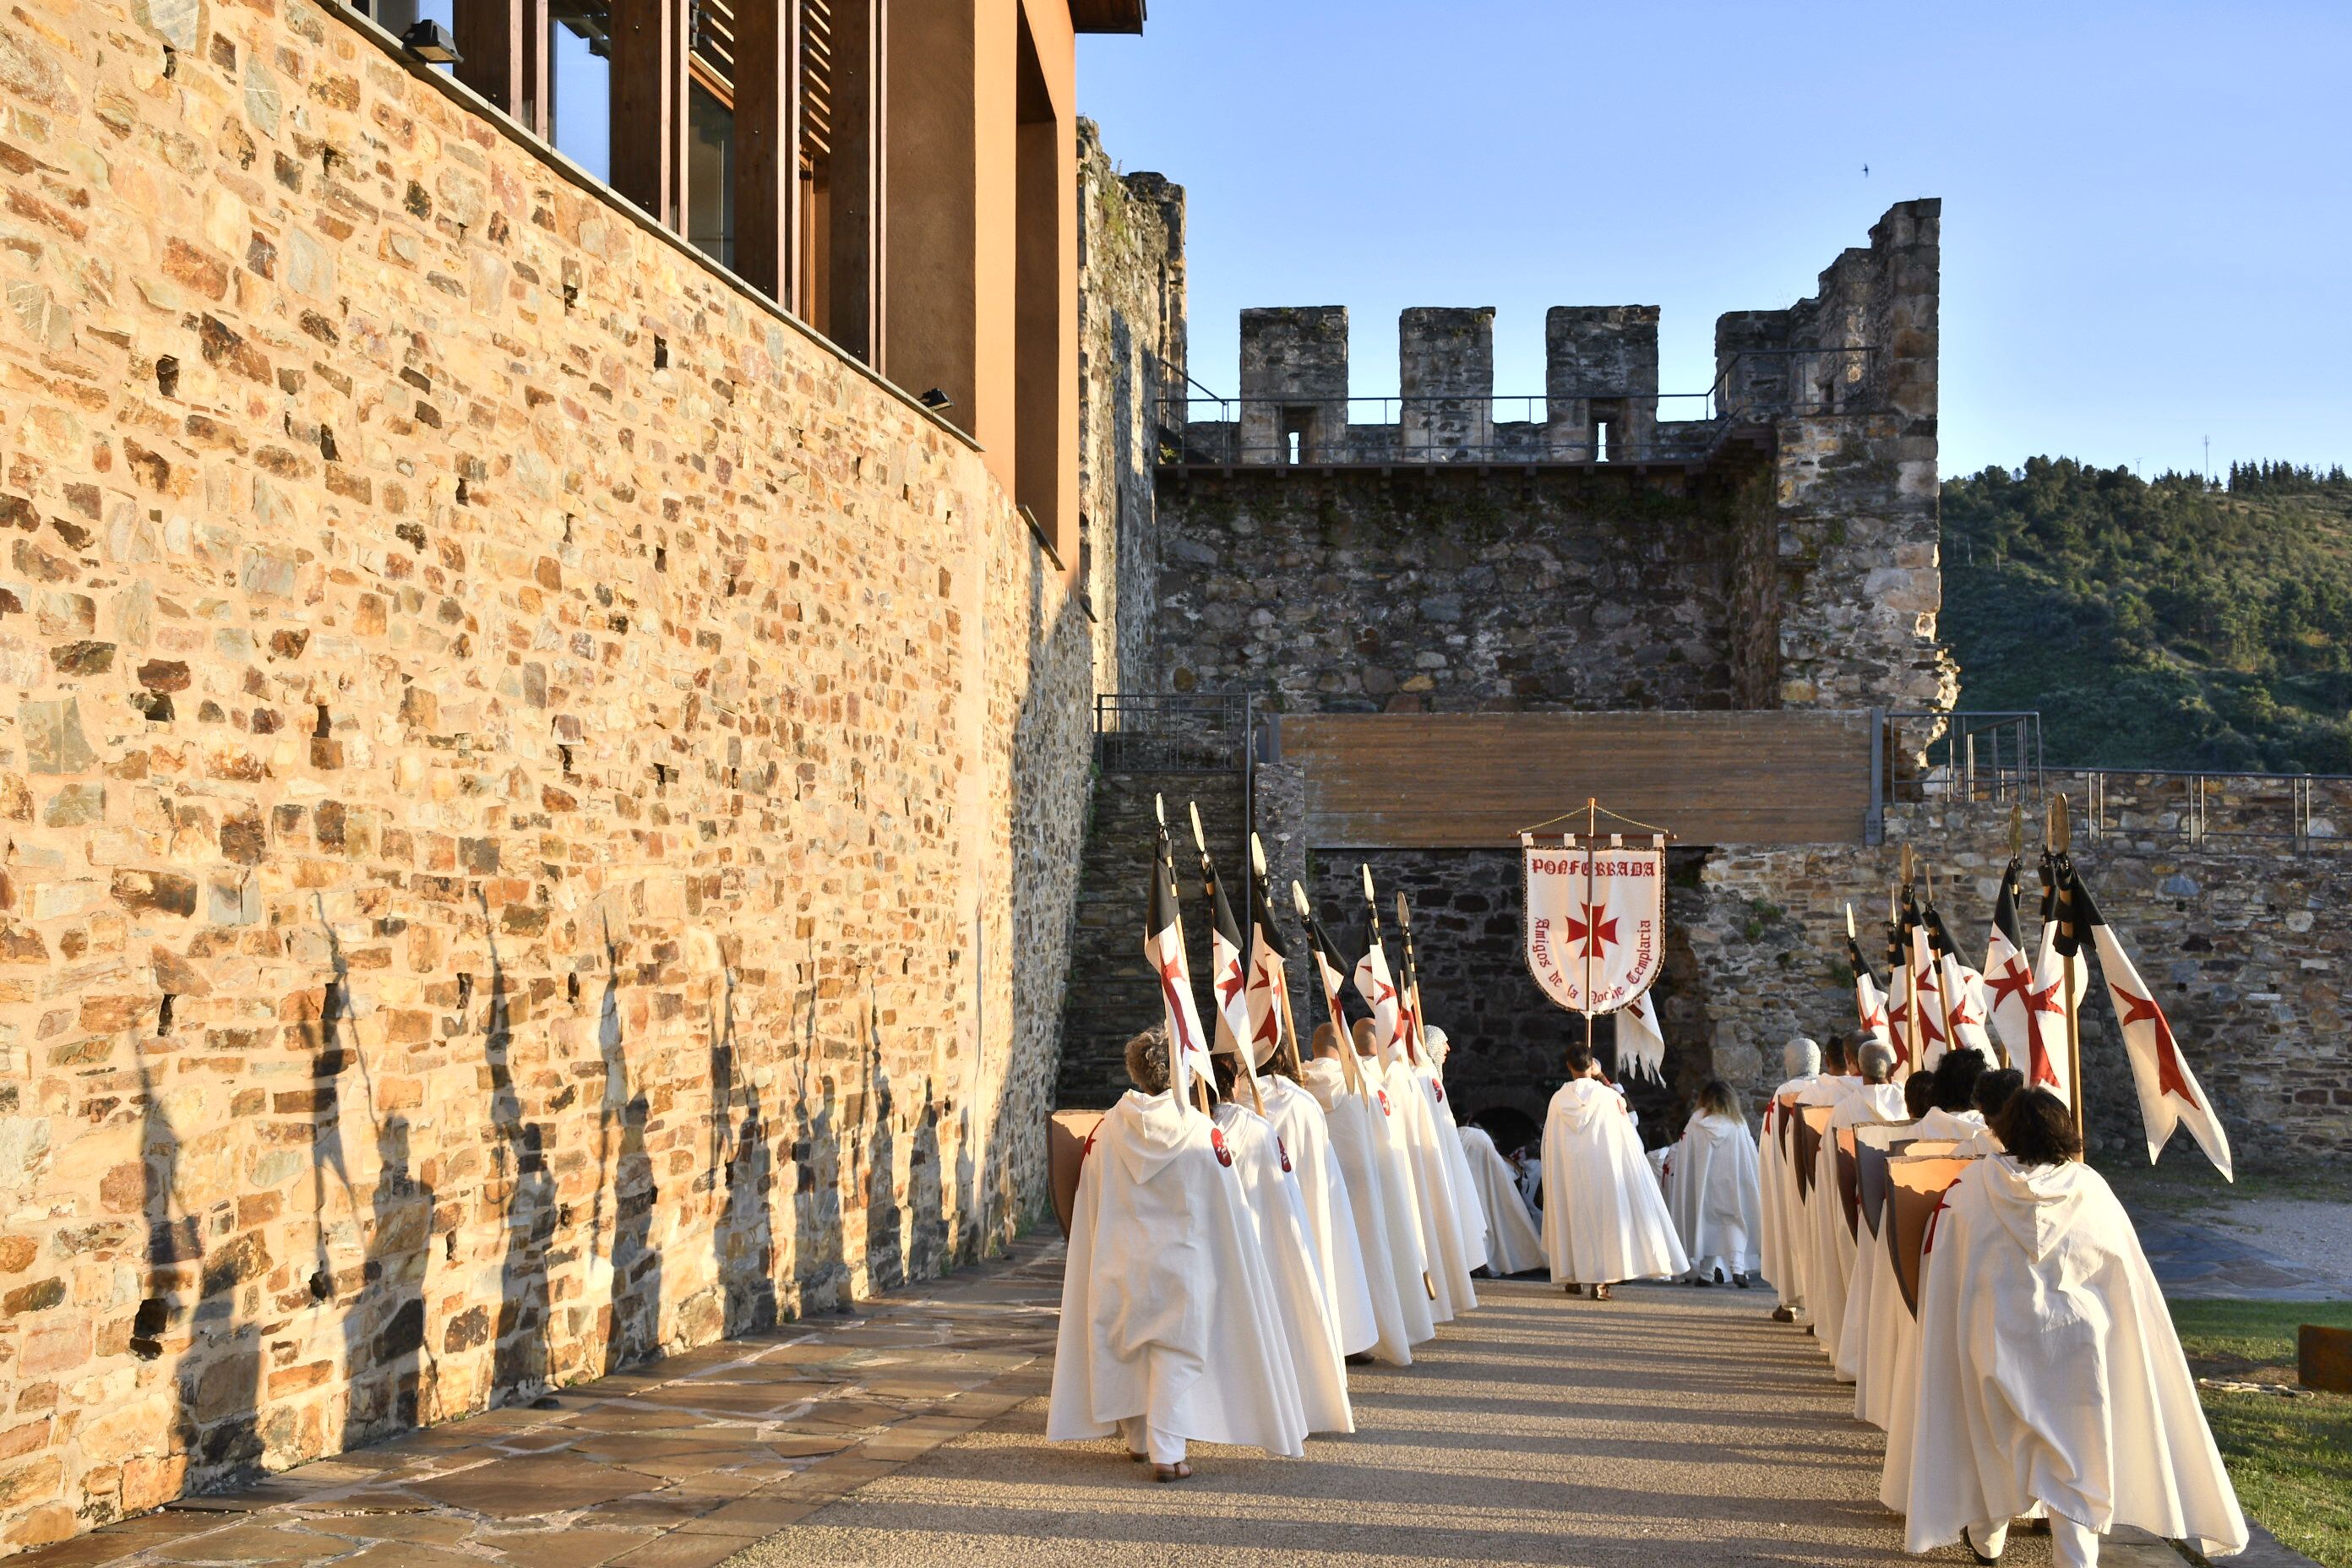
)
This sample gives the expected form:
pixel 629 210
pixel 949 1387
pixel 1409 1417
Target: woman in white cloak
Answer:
pixel 1302 1318
pixel 1712 1189
pixel 1164 1290
pixel 1603 1217
pixel 1386 1229
pixel 1801 1058
pixel 2048 1371
pixel 1305 1130
pixel 1514 1246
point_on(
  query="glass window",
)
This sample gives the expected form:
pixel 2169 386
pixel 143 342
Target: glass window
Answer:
pixel 579 70
pixel 710 180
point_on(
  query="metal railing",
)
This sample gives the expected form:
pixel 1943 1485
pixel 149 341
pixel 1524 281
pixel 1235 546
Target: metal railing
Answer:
pixel 1996 758
pixel 1630 426
pixel 1151 733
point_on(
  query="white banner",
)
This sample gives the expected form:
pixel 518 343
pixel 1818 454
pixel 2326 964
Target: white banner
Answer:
pixel 1596 921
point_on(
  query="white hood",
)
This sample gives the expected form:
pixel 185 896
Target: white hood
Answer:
pixel 2037 1208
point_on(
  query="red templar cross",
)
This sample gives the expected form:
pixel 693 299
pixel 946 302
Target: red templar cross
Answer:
pixel 2171 1077
pixel 1171 970
pixel 1593 931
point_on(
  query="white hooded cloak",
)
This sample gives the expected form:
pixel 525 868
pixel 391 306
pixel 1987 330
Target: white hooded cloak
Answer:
pixel 1514 1246
pixel 1302 1318
pixel 1164 1292
pixel 2049 1370
pixel 1713 1193
pixel 1783 1216
pixel 1443 1243
pixel 1386 1228
pixel 1829 1271
pixel 1605 1219
pixel 1877 1321
pixel 1299 1122
pixel 1470 1214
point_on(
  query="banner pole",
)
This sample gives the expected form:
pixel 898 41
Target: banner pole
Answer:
pixel 2061 838
pixel 1592 836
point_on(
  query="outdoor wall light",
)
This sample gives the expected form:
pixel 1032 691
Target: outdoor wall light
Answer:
pixel 430 41
pixel 935 399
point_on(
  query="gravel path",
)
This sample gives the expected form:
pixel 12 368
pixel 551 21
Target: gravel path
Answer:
pixel 2315 1234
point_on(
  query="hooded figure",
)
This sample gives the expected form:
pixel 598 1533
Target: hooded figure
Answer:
pixel 1514 1246
pixel 1305 1130
pixel 1165 1289
pixel 1470 1214
pixel 1712 1190
pixel 1443 1238
pixel 2048 1371
pixel 1782 1214
pixel 1303 1321
pixel 1388 1234
pixel 1603 1217
pixel 1829 1270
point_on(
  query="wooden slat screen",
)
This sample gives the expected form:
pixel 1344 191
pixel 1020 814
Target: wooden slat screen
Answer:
pixel 1454 781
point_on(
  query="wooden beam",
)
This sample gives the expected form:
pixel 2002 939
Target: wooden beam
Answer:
pixel 767 150
pixel 649 51
pixel 504 45
pixel 854 266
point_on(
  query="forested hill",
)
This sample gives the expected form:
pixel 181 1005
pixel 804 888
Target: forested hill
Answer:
pixel 2159 623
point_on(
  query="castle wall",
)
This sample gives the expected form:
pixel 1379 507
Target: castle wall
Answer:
pixel 1353 592
pixel 542 802
pixel 1131 344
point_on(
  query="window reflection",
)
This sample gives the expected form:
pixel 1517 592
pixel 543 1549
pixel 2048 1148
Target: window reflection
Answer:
pixel 580 74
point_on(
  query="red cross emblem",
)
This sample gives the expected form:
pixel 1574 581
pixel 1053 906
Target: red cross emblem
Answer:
pixel 1592 931
pixel 1230 983
pixel 1284 1150
pixel 1217 1144
pixel 1171 970
pixel 2171 1078
pixel 1925 980
pixel 2012 980
pixel 1384 1101
pixel 2042 999
pixel 1874 1020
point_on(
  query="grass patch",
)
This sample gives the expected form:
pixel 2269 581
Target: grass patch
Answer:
pixel 2291 1458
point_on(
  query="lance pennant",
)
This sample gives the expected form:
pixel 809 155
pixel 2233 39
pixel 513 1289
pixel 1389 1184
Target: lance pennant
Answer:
pixel 2170 1077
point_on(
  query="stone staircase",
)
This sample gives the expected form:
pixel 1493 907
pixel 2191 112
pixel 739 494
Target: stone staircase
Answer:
pixel 1112 991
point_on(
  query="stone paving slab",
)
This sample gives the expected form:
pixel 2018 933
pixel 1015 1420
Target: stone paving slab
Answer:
pixel 681 1464
pixel 2197 1260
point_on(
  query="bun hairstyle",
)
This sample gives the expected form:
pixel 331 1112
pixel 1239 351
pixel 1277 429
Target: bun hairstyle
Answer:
pixel 1147 1059
pixel 2037 1129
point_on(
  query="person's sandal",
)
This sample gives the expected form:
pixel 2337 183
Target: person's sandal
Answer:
pixel 1178 1471
pixel 1600 1293
pixel 1573 1288
pixel 1740 1280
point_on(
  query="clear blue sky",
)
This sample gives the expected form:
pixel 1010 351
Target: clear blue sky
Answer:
pixel 2148 208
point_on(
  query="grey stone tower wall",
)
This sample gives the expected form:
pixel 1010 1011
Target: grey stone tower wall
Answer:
pixel 1445 358
pixel 1295 366
pixel 1601 362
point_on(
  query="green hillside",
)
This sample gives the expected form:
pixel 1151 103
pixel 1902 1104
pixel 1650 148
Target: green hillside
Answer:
pixel 2157 623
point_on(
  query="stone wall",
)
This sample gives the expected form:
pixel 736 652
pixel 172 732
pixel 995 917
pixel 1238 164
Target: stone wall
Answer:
pixel 542 802
pixel 1131 349
pixel 2244 942
pixel 1448 590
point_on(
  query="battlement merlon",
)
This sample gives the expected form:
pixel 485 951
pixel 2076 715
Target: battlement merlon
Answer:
pixel 1293 380
pixel 1445 362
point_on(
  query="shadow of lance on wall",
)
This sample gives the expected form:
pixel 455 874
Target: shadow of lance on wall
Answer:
pixel 743 1242
pixel 519 1368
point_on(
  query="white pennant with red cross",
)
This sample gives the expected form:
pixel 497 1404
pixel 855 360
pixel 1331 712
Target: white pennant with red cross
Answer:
pixel 1926 1003
pixel 1380 988
pixel 2169 1094
pixel 1870 1008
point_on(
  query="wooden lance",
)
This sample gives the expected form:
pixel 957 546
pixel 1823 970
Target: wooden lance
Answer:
pixel 2059 838
pixel 1245 1072
pixel 1265 898
pixel 1348 1068
pixel 1167 870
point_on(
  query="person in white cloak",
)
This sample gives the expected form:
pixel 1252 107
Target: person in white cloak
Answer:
pixel 1993 1091
pixel 1829 1270
pixel 1165 1290
pixel 1302 1319
pixel 2049 1370
pixel 1514 1246
pixel 1305 1130
pixel 1387 1232
pixel 1471 1214
pixel 1801 1058
pixel 1412 1140
pixel 1605 1219
pixel 1712 1189
pixel 1953 1113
